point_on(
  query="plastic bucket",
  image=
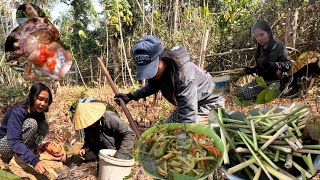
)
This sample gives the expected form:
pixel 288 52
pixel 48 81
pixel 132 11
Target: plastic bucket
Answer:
pixel 111 168
pixel 222 85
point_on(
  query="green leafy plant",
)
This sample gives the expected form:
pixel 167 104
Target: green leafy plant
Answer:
pixel 268 94
pixel 261 82
pixel 241 102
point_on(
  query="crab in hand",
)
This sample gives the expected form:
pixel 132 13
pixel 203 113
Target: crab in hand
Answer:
pixel 36 41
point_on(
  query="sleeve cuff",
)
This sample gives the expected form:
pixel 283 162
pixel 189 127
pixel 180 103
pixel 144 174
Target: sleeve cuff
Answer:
pixel 134 96
pixel 35 162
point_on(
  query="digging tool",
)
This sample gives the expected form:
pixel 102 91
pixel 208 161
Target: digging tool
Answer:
pixel 231 71
pixel 123 105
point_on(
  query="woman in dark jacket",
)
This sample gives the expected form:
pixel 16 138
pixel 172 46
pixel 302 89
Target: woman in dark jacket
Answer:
pixel 24 126
pixel 271 61
pixel 181 82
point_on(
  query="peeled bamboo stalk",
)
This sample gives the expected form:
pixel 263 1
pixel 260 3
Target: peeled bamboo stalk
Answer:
pixel 281 148
pixel 268 138
pixel 262 123
pixel 308 151
pixel 234 126
pixel 310 165
pixel 222 128
pixel 288 174
pixel 274 172
pixel 279 137
pixel 297 142
pixel 233 121
pixel 308 175
pixel 266 158
pixel 240 166
pixel 254 135
pixel 297 154
pixel 276 157
pixel 303 175
pixel 231 143
pixel 301 127
pixel 280 131
pixel 257 175
pixel 281 124
pixel 293 145
pixel 255 156
pixel 288 163
pixel 313 146
pixel 299 134
pixel 280 121
pixel 262 116
pixel 224 141
pixel 242 150
pixel 254 168
pixel 225 153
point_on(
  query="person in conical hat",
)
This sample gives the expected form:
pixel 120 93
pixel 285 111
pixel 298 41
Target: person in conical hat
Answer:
pixel 103 129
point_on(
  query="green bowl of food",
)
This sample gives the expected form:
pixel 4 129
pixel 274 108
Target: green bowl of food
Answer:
pixel 179 150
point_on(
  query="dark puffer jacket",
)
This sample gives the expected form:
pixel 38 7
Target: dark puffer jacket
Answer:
pixel 110 132
pixel 277 54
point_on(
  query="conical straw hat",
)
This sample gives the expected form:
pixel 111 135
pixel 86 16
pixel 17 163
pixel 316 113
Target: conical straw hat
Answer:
pixel 87 113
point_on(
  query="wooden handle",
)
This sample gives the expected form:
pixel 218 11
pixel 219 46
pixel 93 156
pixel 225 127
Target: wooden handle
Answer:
pixel 231 71
pixel 123 105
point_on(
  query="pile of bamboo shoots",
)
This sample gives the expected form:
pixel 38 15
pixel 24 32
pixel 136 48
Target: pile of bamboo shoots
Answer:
pixel 267 142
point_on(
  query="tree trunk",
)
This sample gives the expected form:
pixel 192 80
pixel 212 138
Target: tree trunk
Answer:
pixel 77 66
pixel 291 27
pixel 107 52
pixel 124 52
pixel 114 56
pixel 143 18
pixel 77 75
pixel 7 29
pixel 175 19
pixel 13 17
pixel 204 47
pixel 91 70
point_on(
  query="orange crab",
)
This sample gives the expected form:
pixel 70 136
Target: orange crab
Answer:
pixel 212 149
pixel 202 140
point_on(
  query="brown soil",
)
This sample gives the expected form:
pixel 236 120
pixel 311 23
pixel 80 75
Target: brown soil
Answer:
pixel 146 112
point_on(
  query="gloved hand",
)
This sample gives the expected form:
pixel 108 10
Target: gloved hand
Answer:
pixel 271 65
pixel 249 70
pixel 125 97
pixel 121 155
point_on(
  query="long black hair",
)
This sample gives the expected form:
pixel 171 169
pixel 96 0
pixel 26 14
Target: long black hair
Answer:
pixel 263 25
pixel 35 90
pixel 173 65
